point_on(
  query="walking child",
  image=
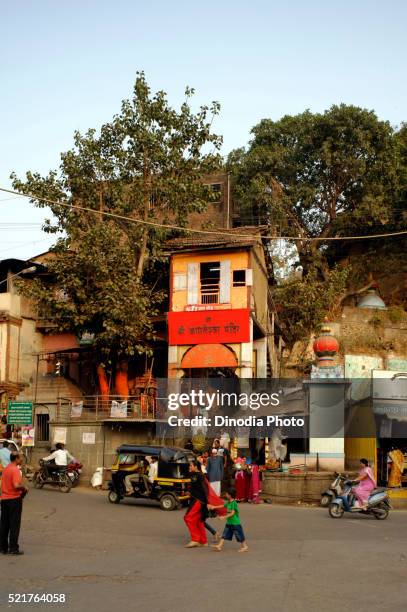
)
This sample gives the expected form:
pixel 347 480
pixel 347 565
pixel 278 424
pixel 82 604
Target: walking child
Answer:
pixel 233 525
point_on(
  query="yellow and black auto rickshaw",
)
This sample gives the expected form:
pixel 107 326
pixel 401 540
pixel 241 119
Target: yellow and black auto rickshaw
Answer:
pixel 130 475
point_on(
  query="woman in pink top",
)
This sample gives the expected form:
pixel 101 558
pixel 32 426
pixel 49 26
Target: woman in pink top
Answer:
pixel 366 483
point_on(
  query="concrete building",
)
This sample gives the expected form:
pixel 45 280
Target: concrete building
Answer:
pixel 221 315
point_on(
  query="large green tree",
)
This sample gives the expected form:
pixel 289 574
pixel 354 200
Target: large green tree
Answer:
pixel 317 176
pixel 105 275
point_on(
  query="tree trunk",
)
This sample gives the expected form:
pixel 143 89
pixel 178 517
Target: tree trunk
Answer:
pixel 122 380
pixel 312 259
pixel 103 383
pixel 142 255
pixel 144 239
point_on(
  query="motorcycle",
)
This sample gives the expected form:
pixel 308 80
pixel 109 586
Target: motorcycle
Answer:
pixel 56 476
pixel 74 471
pixel 378 503
pixel 335 490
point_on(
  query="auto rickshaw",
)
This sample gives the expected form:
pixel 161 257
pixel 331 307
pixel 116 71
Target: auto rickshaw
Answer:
pixel 170 488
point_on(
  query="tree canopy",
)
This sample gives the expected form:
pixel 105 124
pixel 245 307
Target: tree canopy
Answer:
pixel 146 164
pixel 319 175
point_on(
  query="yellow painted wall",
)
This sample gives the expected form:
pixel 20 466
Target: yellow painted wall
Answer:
pixel 356 448
pixel 238 261
pixel 18 344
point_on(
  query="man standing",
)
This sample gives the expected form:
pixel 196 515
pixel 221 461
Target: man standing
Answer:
pixel 214 470
pixel 11 506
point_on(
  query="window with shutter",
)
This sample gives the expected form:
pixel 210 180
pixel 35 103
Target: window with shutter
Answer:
pixel 225 282
pixel 180 282
pixel 193 283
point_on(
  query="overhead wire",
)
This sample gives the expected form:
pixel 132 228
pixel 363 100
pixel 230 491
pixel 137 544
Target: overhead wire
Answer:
pixel 23 244
pixel 200 231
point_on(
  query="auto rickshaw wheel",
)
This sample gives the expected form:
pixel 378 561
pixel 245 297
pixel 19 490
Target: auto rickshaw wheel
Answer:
pixel 168 502
pixel 113 497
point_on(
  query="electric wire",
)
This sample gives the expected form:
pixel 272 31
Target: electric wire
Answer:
pixel 201 231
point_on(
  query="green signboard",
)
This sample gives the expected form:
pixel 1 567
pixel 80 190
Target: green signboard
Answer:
pixel 20 413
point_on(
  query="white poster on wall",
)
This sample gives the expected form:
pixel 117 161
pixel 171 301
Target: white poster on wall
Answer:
pixel 27 435
pixel 59 435
pixel 89 437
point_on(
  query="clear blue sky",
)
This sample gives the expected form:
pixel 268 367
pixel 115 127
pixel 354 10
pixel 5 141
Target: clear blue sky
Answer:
pixel 66 65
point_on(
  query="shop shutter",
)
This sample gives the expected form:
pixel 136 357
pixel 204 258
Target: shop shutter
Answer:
pixel 225 282
pixel 193 283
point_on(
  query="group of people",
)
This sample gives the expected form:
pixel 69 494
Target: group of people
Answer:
pixel 147 472
pixel 13 491
pixel 247 481
pixel 204 501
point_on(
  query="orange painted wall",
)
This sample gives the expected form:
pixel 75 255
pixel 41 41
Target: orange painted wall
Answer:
pixel 238 261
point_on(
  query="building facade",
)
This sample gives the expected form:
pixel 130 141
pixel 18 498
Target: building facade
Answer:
pixel 221 319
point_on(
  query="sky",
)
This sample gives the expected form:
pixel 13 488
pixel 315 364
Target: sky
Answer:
pixel 67 64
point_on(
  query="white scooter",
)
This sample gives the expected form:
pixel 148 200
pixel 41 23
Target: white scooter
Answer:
pixel 335 490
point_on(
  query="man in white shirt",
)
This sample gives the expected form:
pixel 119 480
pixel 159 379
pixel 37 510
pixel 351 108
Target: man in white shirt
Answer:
pixel 152 474
pixel 59 458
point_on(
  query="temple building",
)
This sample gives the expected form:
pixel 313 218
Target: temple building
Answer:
pixel 221 318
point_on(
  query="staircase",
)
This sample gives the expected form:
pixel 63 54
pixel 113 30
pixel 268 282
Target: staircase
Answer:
pixel 48 389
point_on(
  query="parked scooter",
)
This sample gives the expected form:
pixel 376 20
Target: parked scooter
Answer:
pixel 74 470
pixel 54 476
pixel 378 503
pixel 334 490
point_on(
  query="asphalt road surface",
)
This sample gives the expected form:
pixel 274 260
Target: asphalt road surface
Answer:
pixel 131 556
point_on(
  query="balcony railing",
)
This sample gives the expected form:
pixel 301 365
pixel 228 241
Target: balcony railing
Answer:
pixel 209 293
pixel 143 407
pixel 209 298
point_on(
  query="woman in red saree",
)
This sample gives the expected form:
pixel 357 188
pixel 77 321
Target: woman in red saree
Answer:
pixel 255 485
pixel 202 494
pixel 242 480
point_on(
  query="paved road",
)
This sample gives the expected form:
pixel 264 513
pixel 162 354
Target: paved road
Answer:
pixel 131 557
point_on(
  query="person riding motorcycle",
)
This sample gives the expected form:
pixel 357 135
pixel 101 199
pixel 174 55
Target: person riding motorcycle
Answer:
pixel 59 458
pixel 366 484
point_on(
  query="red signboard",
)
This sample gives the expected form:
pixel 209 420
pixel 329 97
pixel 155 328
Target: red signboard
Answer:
pixel 209 327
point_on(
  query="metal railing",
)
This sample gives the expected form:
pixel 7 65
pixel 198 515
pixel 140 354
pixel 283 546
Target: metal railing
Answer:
pixel 143 407
pixel 209 292
pixel 209 298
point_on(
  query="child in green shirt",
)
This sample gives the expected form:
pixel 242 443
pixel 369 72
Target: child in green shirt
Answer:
pixel 233 525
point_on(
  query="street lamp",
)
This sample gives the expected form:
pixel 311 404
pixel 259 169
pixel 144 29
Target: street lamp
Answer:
pixel 25 271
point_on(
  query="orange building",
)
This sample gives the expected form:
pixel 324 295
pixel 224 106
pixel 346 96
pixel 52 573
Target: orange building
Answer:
pixel 221 319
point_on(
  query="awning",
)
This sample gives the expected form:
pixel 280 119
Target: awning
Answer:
pixel 209 356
